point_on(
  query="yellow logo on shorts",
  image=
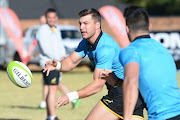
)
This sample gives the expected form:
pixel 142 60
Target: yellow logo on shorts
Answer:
pixel 53 81
pixel 108 101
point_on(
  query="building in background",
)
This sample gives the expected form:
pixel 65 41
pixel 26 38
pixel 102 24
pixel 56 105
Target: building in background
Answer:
pixel 32 9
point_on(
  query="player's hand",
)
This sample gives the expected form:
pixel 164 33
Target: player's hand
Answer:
pixel 105 73
pixel 62 100
pixel 50 66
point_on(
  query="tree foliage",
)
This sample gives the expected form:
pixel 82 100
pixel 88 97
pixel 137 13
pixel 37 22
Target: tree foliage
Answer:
pixel 157 7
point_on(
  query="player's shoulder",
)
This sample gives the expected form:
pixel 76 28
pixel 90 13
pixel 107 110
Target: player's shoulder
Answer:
pixel 105 47
pixel 82 45
pixel 128 54
pixel 130 49
pixel 108 40
pixel 106 50
pixel 44 26
pixel 131 46
pixel 84 41
pixel 105 35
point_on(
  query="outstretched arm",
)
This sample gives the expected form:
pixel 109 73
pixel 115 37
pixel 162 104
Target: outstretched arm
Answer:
pixel 130 88
pixel 89 90
pixel 93 87
pixel 65 65
pixel 70 62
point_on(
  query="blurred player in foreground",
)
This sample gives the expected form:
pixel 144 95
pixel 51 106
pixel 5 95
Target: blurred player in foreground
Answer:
pixel 49 41
pixel 149 66
pixel 103 53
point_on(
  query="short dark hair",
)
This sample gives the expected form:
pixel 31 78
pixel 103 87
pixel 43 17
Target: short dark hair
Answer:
pixel 137 19
pixel 50 10
pixel 95 14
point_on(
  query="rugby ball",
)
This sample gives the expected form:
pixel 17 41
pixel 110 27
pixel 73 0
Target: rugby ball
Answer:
pixel 19 74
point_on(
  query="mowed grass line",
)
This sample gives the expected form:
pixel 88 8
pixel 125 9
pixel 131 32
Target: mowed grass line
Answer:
pixel 21 103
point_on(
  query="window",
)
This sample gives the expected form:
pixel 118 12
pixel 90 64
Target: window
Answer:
pixel 33 34
pixel 72 34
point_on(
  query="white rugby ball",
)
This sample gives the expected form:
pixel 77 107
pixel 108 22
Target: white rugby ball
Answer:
pixel 19 74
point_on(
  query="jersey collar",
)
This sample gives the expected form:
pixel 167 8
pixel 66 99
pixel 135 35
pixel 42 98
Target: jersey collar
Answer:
pixel 142 36
pixel 93 47
pixel 53 26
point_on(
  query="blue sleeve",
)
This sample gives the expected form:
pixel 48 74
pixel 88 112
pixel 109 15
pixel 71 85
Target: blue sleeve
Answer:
pixel 128 55
pixel 104 57
pixel 81 49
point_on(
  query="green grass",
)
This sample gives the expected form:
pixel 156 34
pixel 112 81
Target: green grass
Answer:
pixel 21 103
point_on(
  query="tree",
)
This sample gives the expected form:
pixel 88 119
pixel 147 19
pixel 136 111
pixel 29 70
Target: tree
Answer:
pixel 157 7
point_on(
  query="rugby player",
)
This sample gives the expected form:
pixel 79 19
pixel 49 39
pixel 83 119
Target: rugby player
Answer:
pixel 103 52
pixel 150 67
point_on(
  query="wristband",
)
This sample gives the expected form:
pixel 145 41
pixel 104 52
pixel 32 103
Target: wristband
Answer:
pixel 73 96
pixel 58 67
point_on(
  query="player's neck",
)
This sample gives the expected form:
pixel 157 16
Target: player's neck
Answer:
pixel 133 36
pixel 94 37
pixel 51 26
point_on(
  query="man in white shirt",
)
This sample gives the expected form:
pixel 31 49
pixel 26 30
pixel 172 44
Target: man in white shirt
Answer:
pixel 51 46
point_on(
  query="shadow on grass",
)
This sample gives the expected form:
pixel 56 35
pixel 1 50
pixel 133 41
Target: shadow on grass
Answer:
pixel 2 68
pixel 25 107
pixel 12 119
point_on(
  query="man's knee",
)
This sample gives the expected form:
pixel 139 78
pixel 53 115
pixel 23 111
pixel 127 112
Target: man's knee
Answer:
pixel 53 89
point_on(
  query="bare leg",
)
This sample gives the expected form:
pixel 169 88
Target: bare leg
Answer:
pixel 63 88
pixel 99 112
pixel 51 100
pixel 44 95
pixel 45 92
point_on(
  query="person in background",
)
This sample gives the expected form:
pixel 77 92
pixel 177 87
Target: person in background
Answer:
pixel 42 19
pixel 62 88
pixel 51 46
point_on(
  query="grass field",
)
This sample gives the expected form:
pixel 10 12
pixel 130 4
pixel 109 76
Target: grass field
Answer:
pixel 21 103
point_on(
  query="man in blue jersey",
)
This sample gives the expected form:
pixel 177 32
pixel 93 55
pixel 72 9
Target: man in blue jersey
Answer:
pixel 103 52
pixel 149 66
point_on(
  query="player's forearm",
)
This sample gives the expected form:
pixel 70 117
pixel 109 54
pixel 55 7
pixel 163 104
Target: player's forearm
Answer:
pixel 66 65
pixel 90 89
pixel 69 62
pixel 130 95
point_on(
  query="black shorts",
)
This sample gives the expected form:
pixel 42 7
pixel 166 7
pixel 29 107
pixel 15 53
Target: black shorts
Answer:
pixel 114 103
pixel 175 118
pixel 52 78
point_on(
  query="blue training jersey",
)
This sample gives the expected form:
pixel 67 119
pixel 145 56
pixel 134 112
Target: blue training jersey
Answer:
pixel 103 54
pixel 157 78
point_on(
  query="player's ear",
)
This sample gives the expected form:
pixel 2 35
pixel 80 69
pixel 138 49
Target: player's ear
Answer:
pixel 127 29
pixel 150 26
pixel 56 17
pixel 98 25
